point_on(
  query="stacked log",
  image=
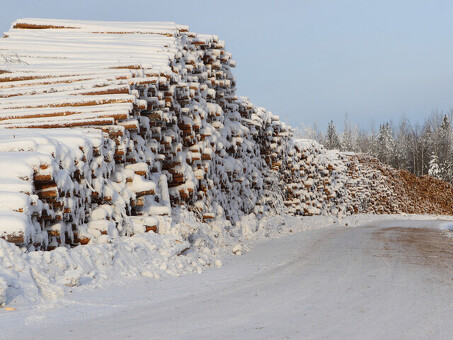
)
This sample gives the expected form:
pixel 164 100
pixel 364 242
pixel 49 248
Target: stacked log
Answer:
pixel 169 110
pixel 316 183
pixel 104 127
pixel 370 191
pixel 47 183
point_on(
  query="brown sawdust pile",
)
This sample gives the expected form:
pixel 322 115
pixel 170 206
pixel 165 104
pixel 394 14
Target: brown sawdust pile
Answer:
pixel 398 191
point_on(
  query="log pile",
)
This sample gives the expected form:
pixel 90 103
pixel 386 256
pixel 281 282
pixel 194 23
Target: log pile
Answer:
pixel 104 127
pixel 42 181
pixel 369 189
pixel 162 100
pixel 314 181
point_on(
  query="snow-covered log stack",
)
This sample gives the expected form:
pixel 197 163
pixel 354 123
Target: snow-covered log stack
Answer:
pixel 314 180
pixel 44 181
pixel 169 129
pixel 105 126
pixel 370 190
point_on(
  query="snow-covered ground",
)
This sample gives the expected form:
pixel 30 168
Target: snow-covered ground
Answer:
pixel 388 278
pixel 183 246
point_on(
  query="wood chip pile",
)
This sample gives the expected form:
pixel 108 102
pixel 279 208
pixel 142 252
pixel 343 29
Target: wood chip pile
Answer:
pixel 377 188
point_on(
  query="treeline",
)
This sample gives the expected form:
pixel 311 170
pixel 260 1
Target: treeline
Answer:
pixel 420 149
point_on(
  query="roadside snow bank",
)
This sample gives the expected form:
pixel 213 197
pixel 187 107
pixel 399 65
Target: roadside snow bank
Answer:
pixel 359 219
pixel 35 275
pixel 448 226
pixel 187 246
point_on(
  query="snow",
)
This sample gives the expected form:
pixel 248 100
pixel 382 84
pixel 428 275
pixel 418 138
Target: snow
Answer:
pixel 156 141
pixel 14 223
pixel 144 254
pixel 8 184
pixel 314 282
pixel 114 26
pixel 204 246
pixel 13 201
pixel 447 226
pixel 159 210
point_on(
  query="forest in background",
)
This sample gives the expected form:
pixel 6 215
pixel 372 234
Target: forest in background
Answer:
pixel 425 149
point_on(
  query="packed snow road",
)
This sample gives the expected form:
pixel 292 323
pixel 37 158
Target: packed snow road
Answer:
pixel 383 280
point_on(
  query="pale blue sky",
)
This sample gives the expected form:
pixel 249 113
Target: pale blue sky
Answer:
pixel 308 61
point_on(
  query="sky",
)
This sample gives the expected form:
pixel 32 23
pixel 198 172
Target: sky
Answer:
pixel 309 61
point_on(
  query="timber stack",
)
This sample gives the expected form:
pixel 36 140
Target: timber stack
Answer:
pixel 111 124
pixel 107 126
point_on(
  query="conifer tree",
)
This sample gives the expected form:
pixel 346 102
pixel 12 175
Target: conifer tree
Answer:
pixel 434 169
pixel 332 140
pixel 385 143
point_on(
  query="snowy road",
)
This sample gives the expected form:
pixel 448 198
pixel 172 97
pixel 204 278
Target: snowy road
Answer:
pixel 385 280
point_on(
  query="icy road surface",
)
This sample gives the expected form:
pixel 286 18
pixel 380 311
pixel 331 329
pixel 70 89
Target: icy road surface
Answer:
pixel 384 280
